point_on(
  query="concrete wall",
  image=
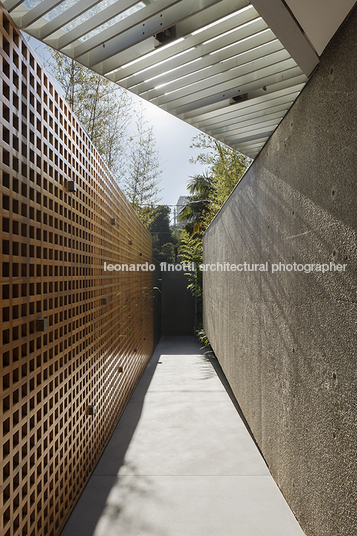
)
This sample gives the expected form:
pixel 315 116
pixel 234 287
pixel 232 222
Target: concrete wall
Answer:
pixel 287 341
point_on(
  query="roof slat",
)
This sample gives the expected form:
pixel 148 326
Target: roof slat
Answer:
pixel 133 30
pixel 252 119
pixel 67 16
pixel 256 110
pixel 37 12
pixel 232 68
pixel 252 127
pixel 291 79
pixel 191 46
pixel 252 137
pixel 206 60
pixel 253 145
pixel 220 72
pixel 10 5
pixel 232 84
pixel 91 24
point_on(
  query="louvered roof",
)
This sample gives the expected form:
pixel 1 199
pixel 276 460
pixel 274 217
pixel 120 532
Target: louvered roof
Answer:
pixel 231 68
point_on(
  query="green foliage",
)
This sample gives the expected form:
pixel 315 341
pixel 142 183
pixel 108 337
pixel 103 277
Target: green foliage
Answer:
pixel 166 253
pixel 141 183
pixel 161 223
pixel 146 214
pixel 190 251
pixel 201 189
pixel 164 239
pixel 190 247
pixel 226 167
pixel 207 193
pixel 202 337
pixel 101 106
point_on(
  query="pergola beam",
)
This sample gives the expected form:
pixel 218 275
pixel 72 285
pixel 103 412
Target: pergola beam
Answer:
pixel 279 18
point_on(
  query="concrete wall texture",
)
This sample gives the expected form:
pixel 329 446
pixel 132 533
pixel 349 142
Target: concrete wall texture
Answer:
pixel 287 341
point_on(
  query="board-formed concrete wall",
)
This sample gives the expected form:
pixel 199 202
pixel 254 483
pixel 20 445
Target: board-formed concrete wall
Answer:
pixel 287 341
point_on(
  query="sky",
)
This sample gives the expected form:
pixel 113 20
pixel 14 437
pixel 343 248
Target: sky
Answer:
pixel 173 139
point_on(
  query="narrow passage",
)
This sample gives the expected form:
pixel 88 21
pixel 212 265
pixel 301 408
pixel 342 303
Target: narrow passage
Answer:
pixel 181 462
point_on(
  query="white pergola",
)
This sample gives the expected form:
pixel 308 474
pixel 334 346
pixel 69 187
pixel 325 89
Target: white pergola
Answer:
pixel 231 68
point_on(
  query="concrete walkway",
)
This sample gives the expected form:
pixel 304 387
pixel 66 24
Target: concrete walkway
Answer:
pixel 181 462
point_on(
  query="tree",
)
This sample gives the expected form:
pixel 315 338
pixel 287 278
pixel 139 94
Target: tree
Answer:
pixel 104 109
pixel 167 253
pixel 208 192
pixel 141 182
pixel 226 167
pixel 190 251
pixel 101 106
pixel 164 239
pixel 201 189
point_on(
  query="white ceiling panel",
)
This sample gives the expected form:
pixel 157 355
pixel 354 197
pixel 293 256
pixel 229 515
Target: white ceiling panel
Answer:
pixel 230 68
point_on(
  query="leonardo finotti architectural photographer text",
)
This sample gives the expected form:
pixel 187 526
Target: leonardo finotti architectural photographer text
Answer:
pixel 229 267
pixel 146 267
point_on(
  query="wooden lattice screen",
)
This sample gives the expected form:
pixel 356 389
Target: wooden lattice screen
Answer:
pixel 72 335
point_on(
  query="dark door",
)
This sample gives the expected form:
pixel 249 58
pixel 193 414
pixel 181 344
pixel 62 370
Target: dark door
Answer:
pixel 177 305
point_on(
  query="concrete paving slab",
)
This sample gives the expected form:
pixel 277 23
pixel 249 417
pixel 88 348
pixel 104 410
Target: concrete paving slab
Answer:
pixel 181 461
pixel 181 451
pixel 185 373
pixel 201 408
pixel 192 506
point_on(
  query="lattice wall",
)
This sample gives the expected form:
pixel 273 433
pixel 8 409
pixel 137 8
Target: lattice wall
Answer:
pixel 96 334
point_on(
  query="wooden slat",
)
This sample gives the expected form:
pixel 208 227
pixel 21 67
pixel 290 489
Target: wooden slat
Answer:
pixel 54 244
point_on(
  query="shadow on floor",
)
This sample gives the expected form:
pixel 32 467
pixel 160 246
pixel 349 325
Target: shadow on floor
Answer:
pixel 159 478
pixel 84 522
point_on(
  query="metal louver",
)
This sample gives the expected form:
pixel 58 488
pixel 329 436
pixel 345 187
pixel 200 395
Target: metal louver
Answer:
pixel 230 68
